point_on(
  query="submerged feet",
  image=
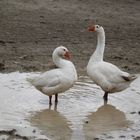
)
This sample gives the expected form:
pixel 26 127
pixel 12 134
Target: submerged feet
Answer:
pixel 56 101
pixel 56 98
pixel 105 97
pixel 50 99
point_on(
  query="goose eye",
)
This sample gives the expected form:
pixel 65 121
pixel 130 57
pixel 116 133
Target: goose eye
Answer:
pixel 64 49
pixel 97 26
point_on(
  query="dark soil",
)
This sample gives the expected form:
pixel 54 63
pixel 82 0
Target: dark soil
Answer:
pixel 31 29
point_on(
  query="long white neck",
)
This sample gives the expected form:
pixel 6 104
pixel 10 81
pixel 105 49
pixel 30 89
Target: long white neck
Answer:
pixel 99 52
pixel 60 62
pixel 65 65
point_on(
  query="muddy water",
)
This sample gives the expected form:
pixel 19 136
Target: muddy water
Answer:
pixel 79 115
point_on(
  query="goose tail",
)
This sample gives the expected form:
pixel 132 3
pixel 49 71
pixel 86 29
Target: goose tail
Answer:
pixel 131 77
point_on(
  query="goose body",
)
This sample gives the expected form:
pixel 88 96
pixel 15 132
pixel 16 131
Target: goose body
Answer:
pixel 57 80
pixel 108 76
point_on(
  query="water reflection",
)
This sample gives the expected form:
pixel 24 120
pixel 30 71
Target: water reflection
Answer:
pixel 106 118
pixel 55 126
pixel 66 122
pixel 52 124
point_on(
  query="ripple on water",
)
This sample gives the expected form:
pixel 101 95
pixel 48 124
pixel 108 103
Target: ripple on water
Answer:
pixel 80 113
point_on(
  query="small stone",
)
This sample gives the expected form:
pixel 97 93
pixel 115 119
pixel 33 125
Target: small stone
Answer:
pixel 23 57
pixel 122 136
pixel 41 16
pixel 125 67
pixel 86 121
pixel 2 42
pixel 136 64
pixel 55 37
pixel 104 134
pixel 96 139
pixel 86 19
pixel 2 66
pixel 139 112
pixel 118 57
pixel 109 137
pixel 132 112
pixel 12 132
pixel 11 42
pixel 34 131
pixel 42 22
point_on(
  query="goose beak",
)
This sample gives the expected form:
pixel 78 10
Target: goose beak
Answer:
pixel 91 28
pixel 67 55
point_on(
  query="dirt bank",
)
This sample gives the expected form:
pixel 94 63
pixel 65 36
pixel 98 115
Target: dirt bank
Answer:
pixel 31 29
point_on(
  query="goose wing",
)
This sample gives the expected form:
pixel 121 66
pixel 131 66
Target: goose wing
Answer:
pixel 49 79
pixel 112 73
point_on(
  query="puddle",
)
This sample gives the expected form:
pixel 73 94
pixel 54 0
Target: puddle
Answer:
pixel 79 115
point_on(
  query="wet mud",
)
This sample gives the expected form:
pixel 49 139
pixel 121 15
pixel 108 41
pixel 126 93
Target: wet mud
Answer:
pixel 80 113
pixel 29 32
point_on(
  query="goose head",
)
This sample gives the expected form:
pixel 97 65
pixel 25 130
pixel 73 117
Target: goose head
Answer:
pixel 61 52
pixel 95 28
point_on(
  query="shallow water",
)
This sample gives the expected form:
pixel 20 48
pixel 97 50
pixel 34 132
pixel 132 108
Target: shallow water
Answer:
pixel 80 114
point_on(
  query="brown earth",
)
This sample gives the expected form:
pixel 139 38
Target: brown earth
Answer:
pixel 31 29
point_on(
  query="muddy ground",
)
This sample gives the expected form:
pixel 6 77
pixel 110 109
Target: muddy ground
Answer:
pixel 31 29
pixel 79 115
pixel 29 32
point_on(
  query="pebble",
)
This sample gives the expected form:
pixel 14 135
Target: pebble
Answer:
pixel 109 137
pixel 132 112
pixel 34 131
pixel 96 138
pixel 23 57
pixel 2 42
pixel 2 66
pixel 122 136
pixel 8 132
pixel 133 136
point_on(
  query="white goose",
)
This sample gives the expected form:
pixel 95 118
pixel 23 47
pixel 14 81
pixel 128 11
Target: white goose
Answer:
pixel 57 80
pixel 108 76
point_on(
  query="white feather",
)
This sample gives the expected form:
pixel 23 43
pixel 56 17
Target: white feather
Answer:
pixel 56 80
pixel 108 76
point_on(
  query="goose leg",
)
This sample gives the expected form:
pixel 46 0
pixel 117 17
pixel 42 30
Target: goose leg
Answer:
pixel 105 97
pixel 50 100
pixel 56 98
pixel 55 106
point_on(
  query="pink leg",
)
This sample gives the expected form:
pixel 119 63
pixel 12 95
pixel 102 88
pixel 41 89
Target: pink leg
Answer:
pixel 56 98
pixel 105 97
pixel 50 100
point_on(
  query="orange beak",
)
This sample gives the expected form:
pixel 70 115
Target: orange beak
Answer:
pixel 67 55
pixel 91 28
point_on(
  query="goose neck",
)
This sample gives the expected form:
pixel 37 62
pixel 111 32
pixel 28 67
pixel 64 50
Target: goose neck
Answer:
pixel 99 52
pixel 60 62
